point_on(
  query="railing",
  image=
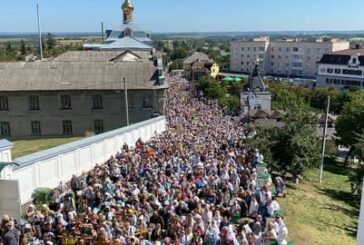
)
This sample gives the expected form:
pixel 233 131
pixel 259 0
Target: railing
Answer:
pixel 47 168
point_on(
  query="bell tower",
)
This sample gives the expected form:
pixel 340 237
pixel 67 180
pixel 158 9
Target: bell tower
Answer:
pixel 128 11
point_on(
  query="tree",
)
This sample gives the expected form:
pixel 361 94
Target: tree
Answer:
pixel 351 122
pixel 51 42
pixel 23 49
pixel 179 53
pixel 293 148
pixel 356 177
pixel 9 50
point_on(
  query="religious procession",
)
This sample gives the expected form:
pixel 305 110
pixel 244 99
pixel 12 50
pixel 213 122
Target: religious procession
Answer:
pixel 195 184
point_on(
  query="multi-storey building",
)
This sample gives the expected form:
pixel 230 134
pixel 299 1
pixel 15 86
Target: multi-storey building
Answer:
pixel 289 57
pixel 342 69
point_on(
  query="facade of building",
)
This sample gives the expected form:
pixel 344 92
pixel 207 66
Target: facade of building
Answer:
pixel 78 92
pixel 342 69
pixel 83 91
pixel 198 64
pixel 281 58
pixel 255 95
pixel 127 37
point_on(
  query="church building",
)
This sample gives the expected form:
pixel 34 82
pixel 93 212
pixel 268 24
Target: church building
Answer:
pixel 128 37
pixel 255 95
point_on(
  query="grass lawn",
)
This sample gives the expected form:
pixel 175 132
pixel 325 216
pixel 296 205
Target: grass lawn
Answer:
pixel 324 213
pixel 25 147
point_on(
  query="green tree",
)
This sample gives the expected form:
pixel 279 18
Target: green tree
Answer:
pixel 356 177
pixel 351 122
pixel 293 148
pixel 179 53
pixel 23 49
pixel 51 42
pixel 10 50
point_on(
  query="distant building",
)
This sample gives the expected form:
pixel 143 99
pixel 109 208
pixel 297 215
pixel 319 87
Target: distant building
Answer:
pixel 255 95
pixel 128 37
pixel 199 64
pixel 289 57
pixel 342 69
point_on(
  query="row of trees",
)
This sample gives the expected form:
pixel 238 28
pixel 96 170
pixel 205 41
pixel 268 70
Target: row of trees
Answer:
pixel 284 147
pixel 13 51
pixel 313 98
pixel 227 94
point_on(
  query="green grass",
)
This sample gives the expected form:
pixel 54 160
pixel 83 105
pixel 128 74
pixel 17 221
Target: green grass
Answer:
pixel 325 213
pixel 28 146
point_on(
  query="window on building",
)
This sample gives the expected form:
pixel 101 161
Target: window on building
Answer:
pixel 279 57
pixel 33 102
pixel 337 71
pixel 67 127
pixel 280 49
pixel 4 103
pixel 35 127
pixel 308 58
pixel 242 56
pixel 272 64
pixel 248 56
pixel 147 102
pixel 336 81
pixel 261 49
pixel 272 56
pixel 97 101
pixel 5 129
pixel 297 64
pixel 295 49
pixel 248 48
pixel 272 49
pixel 330 70
pixel 328 81
pixel 66 102
pixel 288 49
pixel 352 72
pixel 242 63
pixel 99 126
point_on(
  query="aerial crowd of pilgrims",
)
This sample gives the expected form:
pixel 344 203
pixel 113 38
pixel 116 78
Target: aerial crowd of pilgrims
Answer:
pixel 194 184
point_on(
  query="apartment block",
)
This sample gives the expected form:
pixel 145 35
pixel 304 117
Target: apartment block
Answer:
pixel 287 57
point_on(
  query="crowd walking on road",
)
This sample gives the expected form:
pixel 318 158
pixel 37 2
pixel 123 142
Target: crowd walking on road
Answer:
pixel 194 184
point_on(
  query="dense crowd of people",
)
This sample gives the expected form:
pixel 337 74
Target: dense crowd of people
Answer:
pixel 194 184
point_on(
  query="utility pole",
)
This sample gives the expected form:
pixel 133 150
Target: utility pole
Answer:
pixel 324 138
pixel 102 32
pixel 126 102
pixel 40 34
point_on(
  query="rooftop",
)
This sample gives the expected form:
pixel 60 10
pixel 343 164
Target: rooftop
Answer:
pixel 197 56
pixel 5 144
pixel 360 52
pixel 87 70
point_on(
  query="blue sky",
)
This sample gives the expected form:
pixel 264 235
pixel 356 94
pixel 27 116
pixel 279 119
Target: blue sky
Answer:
pixel 185 15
